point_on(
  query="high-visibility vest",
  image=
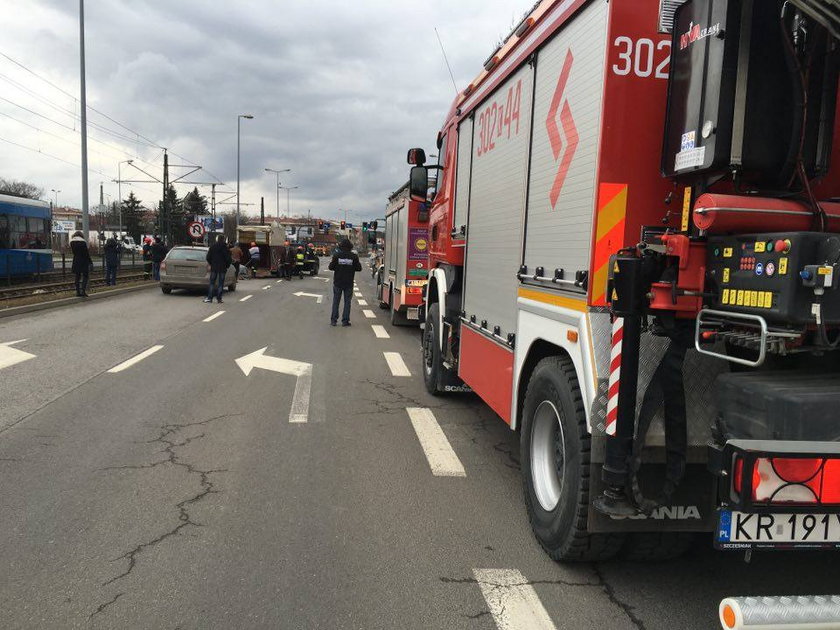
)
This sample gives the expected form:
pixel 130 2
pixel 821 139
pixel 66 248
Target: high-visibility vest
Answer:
pixel 298 259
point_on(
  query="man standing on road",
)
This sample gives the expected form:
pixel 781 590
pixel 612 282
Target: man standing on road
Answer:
pixel 112 261
pixel 158 253
pixel 218 261
pixel 345 264
pixel 236 255
pixel 254 260
pixel 82 263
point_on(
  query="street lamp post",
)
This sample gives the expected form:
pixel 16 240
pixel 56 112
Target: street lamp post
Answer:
pixel 287 189
pixel 238 133
pixel 277 173
pixel 119 188
pixel 56 196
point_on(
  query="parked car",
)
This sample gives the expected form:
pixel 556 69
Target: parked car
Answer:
pixel 186 268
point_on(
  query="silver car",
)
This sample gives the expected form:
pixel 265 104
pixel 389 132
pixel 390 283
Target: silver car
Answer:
pixel 186 268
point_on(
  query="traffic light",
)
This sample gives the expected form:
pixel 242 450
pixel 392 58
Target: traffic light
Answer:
pixel 373 225
pixel 320 225
pixel 364 226
pixel 343 225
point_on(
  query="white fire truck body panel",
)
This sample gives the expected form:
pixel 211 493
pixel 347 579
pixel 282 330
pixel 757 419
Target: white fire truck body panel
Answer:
pixel 566 137
pixel 497 195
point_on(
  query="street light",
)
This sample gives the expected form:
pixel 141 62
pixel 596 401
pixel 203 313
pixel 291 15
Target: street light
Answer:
pixel 287 189
pixel 238 128
pixel 277 173
pixel 56 196
pixel 119 187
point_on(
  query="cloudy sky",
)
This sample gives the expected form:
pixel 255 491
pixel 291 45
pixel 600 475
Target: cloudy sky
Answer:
pixel 338 90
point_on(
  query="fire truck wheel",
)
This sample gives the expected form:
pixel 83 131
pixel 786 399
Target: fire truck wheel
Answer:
pixel 431 352
pixel 656 546
pixel 554 449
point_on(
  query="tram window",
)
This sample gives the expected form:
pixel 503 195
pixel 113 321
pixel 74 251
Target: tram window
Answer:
pixel 4 232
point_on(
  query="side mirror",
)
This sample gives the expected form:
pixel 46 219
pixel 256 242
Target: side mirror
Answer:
pixel 416 157
pixel 418 186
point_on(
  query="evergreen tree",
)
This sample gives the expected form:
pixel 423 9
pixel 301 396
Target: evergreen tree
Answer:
pixel 195 203
pixel 132 216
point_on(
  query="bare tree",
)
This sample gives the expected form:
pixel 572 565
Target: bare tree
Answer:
pixel 20 189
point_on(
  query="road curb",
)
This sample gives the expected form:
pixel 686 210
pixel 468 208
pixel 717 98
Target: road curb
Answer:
pixel 42 306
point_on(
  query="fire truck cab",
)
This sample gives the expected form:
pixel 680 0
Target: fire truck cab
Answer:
pixel 634 259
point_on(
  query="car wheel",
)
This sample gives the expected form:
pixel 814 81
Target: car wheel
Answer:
pixel 165 289
pixel 554 453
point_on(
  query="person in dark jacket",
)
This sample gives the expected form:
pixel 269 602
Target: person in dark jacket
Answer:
pixel 112 261
pixel 289 265
pixel 82 262
pixel 218 261
pixel 157 253
pixel 345 264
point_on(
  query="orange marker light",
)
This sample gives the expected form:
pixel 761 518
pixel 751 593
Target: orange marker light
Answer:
pixel 572 336
pixel 728 616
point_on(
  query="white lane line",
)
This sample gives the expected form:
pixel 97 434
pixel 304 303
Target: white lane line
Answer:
pixel 266 287
pixel 300 401
pixel 396 363
pixel 513 602
pixel 246 298
pixel 127 364
pixel 362 302
pixel 278 282
pixel 369 313
pixel 380 331
pixel 442 459
pixel 213 316
pixel 357 294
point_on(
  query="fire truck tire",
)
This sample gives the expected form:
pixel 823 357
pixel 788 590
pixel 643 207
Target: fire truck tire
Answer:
pixel 656 546
pixel 555 450
pixel 432 360
pixel 165 289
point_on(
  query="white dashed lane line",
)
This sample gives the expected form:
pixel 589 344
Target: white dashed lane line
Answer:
pixel 369 313
pixel 513 602
pixel 213 316
pixel 363 302
pixel 266 287
pixel 134 360
pixel 246 298
pixel 442 459
pixel 396 363
pixel 380 331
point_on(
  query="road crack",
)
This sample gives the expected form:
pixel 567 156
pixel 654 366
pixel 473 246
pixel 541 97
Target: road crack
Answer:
pixel 168 438
pixel 609 591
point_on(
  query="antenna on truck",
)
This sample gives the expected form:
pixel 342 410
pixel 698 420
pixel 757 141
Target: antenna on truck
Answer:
pixel 448 67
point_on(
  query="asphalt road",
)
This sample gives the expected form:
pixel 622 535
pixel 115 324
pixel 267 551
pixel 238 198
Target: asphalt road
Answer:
pixel 176 493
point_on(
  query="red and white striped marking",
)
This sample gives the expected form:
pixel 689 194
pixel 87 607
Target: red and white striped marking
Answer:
pixel 615 375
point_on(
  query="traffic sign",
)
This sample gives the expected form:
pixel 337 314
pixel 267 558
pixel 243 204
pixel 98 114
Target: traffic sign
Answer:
pixel 195 230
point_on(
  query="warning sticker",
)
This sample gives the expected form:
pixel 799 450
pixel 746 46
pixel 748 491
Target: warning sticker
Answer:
pixel 690 158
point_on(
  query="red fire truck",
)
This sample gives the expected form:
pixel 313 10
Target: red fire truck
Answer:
pixel 634 260
pixel 405 263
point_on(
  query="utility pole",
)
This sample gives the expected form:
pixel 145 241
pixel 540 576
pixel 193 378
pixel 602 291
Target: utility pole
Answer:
pixel 277 185
pixel 262 210
pixel 83 130
pixel 164 214
pixel 213 207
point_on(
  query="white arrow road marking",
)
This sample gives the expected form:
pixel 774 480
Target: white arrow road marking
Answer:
pixel 246 298
pixel 396 363
pixel 380 331
pixel 300 401
pixel 362 302
pixel 127 364
pixel 266 287
pixel 315 295
pixel 369 313
pixel 10 356
pixel 442 459
pixel 213 316
pixel 513 602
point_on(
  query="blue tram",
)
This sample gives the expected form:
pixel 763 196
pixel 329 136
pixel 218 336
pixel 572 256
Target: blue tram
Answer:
pixel 25 246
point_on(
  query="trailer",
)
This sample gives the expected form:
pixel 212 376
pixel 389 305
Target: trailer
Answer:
pixel 405 263
pixel 634 262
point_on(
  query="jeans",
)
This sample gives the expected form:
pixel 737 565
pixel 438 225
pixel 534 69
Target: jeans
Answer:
pixel 156 271
pixel 217 284
pixel 82 282
pixel 337 293
pixel 111 275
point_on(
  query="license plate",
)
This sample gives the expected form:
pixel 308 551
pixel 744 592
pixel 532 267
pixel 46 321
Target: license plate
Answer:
pixel 740 530
pixel 412 313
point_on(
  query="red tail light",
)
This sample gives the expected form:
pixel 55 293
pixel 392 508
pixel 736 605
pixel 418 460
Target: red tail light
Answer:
pixel 790 480
pixel 414 290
